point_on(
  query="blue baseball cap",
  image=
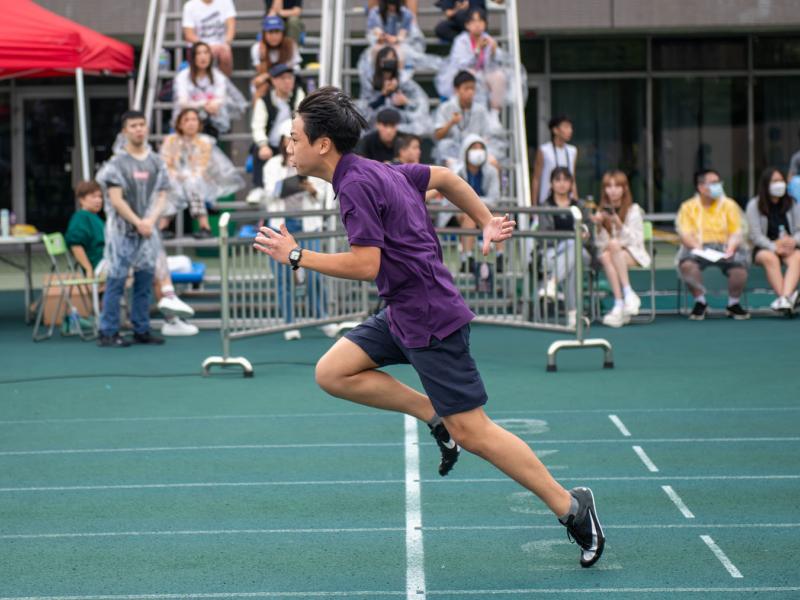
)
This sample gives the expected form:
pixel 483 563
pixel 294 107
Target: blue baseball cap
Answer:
pixel 272 23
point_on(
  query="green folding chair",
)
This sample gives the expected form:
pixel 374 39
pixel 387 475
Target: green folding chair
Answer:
pixel 66 277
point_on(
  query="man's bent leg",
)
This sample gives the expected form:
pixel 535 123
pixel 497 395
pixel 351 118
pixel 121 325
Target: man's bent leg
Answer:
pixel 347 372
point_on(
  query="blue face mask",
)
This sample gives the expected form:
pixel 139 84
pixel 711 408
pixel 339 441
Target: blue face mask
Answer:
pixel 715 190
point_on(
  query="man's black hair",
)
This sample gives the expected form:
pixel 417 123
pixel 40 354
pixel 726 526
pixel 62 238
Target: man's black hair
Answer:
pixel 558 120
pixel 404 140
pixel 329 112
pixel 463 77
pixel 130 115
pixel 700 176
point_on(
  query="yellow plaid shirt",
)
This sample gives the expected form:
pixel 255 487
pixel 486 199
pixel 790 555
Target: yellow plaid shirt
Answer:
pixel 714 224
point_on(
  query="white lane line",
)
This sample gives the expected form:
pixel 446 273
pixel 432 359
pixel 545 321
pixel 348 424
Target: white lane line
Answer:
pixel 495 592
pixel 537 442
pixel 620 425
pixel 726 562
pixel 673 495
pixel 651 466
pixel 415 552
pixel 382 414
pixel 377 530
pixel 345 482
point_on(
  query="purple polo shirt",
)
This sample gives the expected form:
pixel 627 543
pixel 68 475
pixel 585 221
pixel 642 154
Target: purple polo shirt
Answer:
pixel 383 206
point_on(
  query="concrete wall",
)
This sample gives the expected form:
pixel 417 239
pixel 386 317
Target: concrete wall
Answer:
pixel 126 18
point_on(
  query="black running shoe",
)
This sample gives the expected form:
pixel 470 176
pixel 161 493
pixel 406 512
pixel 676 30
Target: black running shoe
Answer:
pixel 698 312
pixel 447 446
pixel 112 341
pixel 584 528
pixel 735 311
pixel 147 338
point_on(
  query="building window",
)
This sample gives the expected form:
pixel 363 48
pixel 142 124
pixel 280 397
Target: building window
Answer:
pixel 532 51
pixel 608 118
pixel 699 123
pixel 5 151
pixel 577 55
pixel 776 52
pixel 707 54
pixel 777 121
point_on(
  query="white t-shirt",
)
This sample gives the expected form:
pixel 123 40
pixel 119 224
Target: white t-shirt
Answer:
pixel 208 20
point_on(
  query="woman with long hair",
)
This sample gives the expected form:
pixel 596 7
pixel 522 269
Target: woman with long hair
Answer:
pixel 275 47
pixel 619 240
pixel 773 217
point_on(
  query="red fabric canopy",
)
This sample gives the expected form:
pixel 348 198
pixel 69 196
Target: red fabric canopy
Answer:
pixel 35 42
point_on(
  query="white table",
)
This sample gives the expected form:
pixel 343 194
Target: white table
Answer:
pixel 9 243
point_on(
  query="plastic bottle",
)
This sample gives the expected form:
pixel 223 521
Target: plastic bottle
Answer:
pixel 781 231
pixel 163 60
pixel 74 321
pixel 5 223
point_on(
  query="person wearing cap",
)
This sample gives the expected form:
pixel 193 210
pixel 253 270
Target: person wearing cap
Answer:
pixel 276 106
pixel 379 144
pixel 212 22
pixel 273 47
pixel 290 11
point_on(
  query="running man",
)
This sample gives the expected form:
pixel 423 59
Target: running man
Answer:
pixel 426 322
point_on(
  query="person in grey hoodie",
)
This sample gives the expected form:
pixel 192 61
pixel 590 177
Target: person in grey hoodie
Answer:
pixel 474 168
pixel 773 219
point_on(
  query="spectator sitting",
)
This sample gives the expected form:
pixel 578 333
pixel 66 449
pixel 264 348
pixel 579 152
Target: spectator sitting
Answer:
pixel 274 47
pixel 409 4
pixel 560 260
pixel 619 241
pixel 198 170
pixel 85 237
pixel 311 194
pixel 206 89
pixel 379 144
pixel 457 118
pixel 407 149
pixel 484 179
pixel 555 153
pixel 773 218
pixel 212 22
pixel 269 111
pixel 290 11
pixel 389 24
pixel 709 221
pixel 392 88
pixel 456 13
pixel 477 51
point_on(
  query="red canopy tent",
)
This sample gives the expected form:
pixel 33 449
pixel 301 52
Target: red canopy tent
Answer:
pixel 35 42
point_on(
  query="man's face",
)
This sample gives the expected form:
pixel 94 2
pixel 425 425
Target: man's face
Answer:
pixel 387 132
pixel 302 154
pixel 92 202
pixel 411 153
pixel 704 188
pixel 466 93
pixel 284 84
pixel 135 131
pixel 564 130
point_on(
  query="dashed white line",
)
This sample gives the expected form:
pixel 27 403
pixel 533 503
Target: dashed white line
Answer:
pixel 726 562
pixel 673 495
pixel 620 425
pixel 645 459
pixel 415 553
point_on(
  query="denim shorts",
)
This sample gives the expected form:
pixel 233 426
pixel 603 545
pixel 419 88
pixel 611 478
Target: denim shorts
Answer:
pixel 445 367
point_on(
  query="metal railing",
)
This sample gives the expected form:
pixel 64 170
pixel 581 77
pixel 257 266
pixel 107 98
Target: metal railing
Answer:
pixel 534 280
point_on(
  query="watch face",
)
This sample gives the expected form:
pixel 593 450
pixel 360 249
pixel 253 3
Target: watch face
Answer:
pixel 294 254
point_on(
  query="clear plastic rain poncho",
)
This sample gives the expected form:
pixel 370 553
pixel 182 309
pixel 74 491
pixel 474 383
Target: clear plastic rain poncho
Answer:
pixel 198 171
pixel 141 181
pixel 195 94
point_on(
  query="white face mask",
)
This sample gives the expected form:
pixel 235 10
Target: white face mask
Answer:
pixel 777 189
pixel 476 157
pixel 715 190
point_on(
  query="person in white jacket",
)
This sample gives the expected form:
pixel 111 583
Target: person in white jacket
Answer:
pixel 620 244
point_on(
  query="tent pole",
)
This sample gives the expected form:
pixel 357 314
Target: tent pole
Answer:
pixel 82 128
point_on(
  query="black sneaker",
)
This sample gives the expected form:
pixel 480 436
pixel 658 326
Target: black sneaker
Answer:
pixel 735 311
pixel 147 338
pixel 447 446
pixel 112 341
pixel 698 312
pixel 202 234
pixel 584 528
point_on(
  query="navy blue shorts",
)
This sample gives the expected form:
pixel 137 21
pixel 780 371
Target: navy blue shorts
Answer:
pixel 447 371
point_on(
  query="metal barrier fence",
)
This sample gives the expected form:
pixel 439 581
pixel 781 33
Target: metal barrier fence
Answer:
pixel 534 280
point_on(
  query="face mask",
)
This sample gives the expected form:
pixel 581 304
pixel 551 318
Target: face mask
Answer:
pixel 476 157
pixel 715 190
pixel 777 189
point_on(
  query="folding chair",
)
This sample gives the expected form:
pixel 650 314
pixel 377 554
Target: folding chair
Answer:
pixel 66 277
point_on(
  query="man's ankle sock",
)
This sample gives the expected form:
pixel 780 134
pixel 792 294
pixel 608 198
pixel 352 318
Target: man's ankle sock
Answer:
pixel 619 303
pixel 627 291
pixel 434 421
pixel 733 300
pixel 168 291
pixel 701 298
pixel 573 510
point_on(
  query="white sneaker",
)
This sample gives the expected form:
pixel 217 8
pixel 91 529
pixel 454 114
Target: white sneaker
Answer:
pixel 781 303
pixel 292 334
pixel 177 327
pixel 632 305
pixel 173 306
pixel 256 196
pixel 331 330
pixel 793 298
pixel 616 318
pixel 550 290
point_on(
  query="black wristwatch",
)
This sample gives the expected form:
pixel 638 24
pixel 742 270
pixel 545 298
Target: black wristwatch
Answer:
pixel 294 258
